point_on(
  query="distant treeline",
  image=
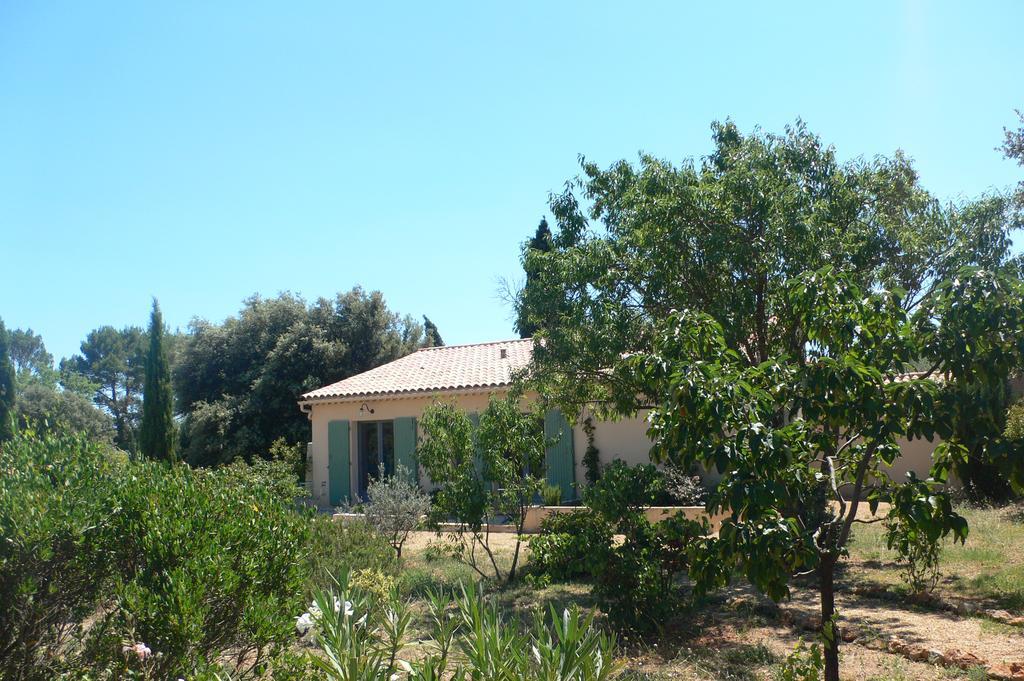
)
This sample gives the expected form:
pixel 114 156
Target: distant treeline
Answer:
pixel 235 382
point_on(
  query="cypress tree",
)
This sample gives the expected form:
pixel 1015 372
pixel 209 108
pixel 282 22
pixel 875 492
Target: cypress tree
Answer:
pixel 431 336
pixel 7 394
pixel 541 241
pixel 157 434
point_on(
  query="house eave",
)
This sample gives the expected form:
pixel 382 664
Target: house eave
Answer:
pixel 307 403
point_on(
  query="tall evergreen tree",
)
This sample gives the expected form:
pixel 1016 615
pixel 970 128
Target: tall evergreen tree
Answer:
pixel 541 241
pixel 7 395
pixel 431 336
pixel 157 434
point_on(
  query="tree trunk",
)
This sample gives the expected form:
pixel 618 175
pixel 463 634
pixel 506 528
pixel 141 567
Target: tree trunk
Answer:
pixel 829 631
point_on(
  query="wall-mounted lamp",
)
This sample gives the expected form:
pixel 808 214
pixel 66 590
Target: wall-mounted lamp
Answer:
pixel 365 409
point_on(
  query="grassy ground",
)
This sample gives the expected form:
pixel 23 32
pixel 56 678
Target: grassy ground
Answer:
pixel 988 569
pixel 739 635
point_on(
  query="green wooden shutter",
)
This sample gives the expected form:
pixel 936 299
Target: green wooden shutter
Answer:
pixel 405 447
pixel 559 461
pixel 339 462
pixel 478 457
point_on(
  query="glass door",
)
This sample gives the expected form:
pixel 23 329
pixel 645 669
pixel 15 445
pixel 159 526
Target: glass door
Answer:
pixel 376 452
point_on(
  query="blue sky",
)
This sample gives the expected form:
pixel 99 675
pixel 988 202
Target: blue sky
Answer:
pixel 201 152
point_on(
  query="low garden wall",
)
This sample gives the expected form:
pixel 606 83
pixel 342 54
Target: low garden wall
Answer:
pixel 535 515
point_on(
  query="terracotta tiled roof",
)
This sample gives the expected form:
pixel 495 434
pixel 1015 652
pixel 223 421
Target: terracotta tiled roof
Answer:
pixel 449 367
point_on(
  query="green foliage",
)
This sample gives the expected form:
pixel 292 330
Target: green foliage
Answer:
pixel 722 236
pixel 623 492
pixel 32 363
pixel 447 453
pixel 183 564
pixel 551 495
pixel 571 545
pixel 395 507
pixel 431 336
pixel 1015 421
pixel 199 587
pixel 361 636
pixel 803 664
pixel 57 519
pixel 157 434
pixel 636 583
pixel 237 382
pixel 7 388
pixel 1013 149
pixel 113 362
pixel 592 456
pixel 918 520
pixel 776 431
pixel 341 547
pixel 498 470
pixel 540 242
pixel 47 409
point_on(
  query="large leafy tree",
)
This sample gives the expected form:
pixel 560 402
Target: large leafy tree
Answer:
pixel 32 363
pixel 157 434
pixel 1013 149
pixel 48 409
pixel 237 382
pixel 830 417
pixel 7 387
pixel 722 236
pixel 41 402
pixel 113 362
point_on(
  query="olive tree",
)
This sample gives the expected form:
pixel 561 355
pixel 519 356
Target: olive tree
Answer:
pixel 395 507
pixel 829 418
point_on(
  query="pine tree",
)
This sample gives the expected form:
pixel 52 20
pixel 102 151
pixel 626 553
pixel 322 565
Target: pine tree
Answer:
pixel 431 336
pixel 157 434
pixel 7 394
pixel 541 241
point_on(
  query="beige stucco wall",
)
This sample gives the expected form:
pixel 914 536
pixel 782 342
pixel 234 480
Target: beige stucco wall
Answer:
pixel 624 439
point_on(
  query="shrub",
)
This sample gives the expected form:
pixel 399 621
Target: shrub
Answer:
pixel 571 545
pixel 213 559
pixel 919 554
pixel 635 585
pixel 56 513
pixel 395 507
pixel 551 495
pixel 683 487
pixel 341 547
pixel 623 492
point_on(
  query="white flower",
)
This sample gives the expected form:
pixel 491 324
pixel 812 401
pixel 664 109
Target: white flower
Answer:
pixel 314 611
pixel 349 610
pixel 139 650
pixel 303 623
pixel 405 666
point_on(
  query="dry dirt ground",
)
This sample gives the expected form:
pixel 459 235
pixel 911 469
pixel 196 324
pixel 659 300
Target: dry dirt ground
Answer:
pixel 741 635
